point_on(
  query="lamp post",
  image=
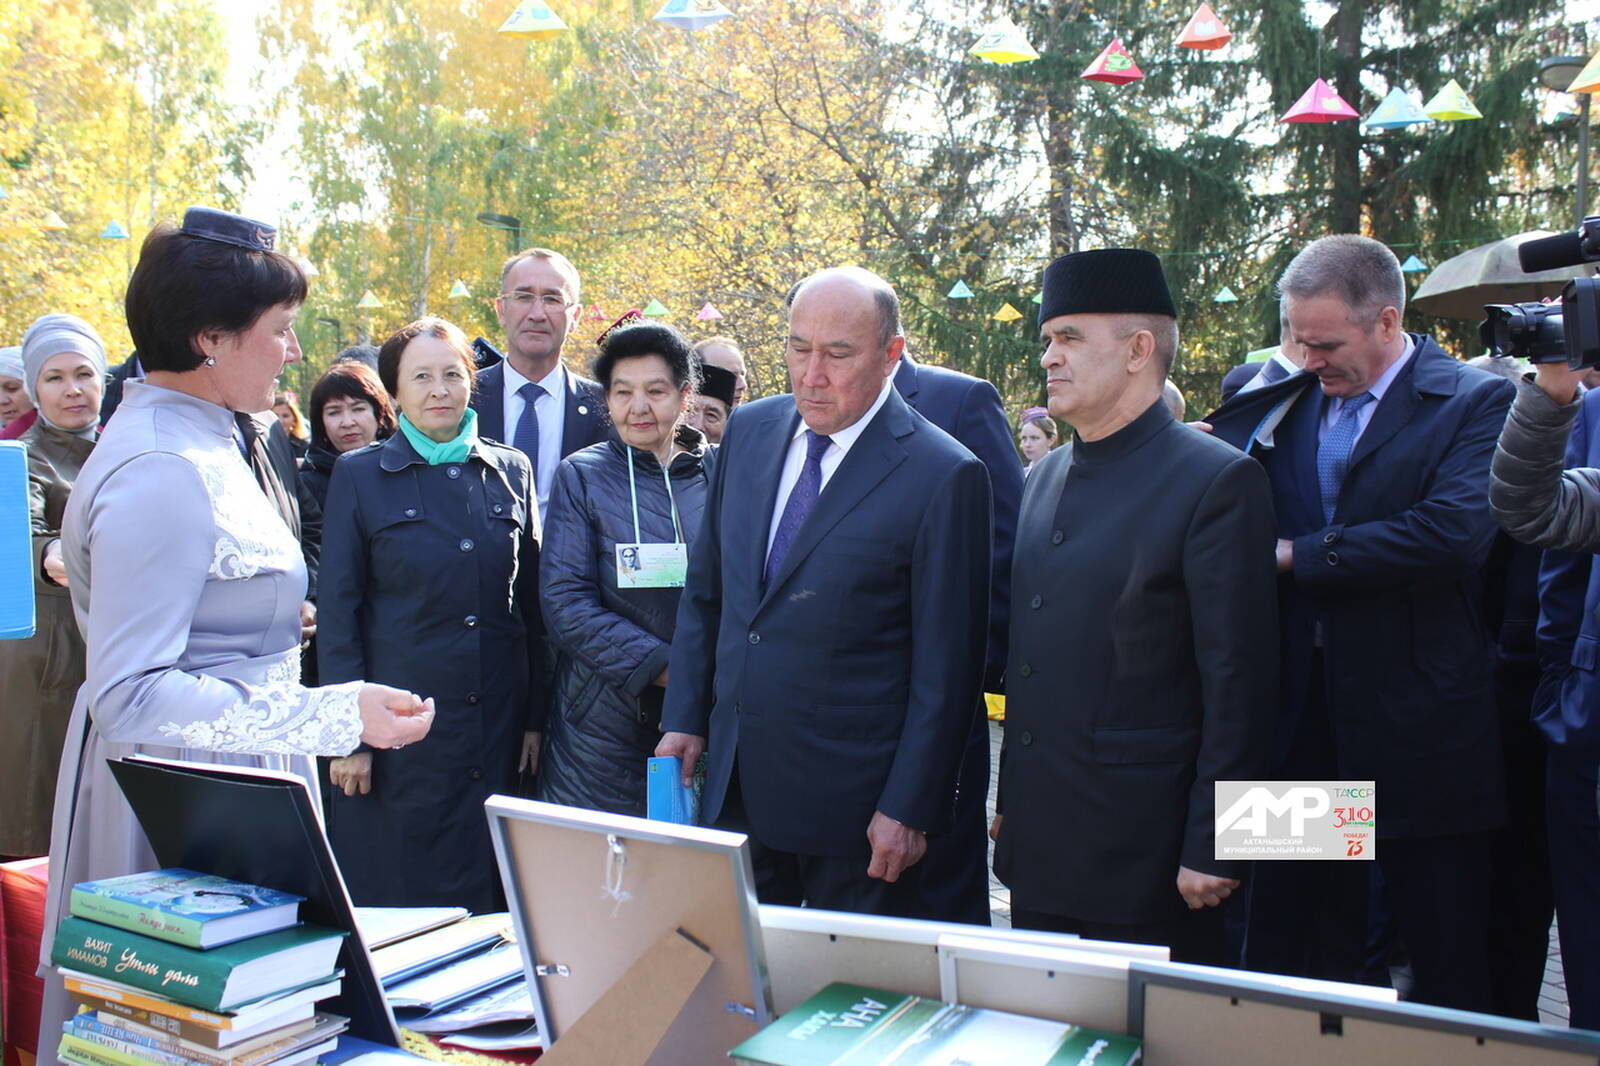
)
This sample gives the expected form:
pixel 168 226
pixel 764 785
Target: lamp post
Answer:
pixel 1558 73
pixel 338 332
pixel 512 225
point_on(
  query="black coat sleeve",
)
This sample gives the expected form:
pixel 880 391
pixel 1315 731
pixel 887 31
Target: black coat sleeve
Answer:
pixel 982 427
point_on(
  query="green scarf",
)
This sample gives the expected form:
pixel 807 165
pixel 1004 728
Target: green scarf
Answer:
pixel 451 451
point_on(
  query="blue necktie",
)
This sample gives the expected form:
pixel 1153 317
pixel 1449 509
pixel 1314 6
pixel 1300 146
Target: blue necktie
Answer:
pixel 802 498
pixel 526 439
pixel 1333 454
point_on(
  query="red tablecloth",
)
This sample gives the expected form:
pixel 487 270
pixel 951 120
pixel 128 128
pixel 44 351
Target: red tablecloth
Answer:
pixel 22 890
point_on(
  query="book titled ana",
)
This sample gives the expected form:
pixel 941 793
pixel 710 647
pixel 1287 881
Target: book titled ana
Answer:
pixel 184 907
pixel 219 979
pixel 848 1025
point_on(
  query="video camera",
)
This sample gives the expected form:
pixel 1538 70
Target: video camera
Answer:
pixel 1566 332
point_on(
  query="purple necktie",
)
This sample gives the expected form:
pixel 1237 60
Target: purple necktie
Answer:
pixel 802 498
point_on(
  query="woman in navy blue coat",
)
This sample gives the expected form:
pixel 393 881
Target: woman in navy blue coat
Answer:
pixel 621 512
pixel 430 549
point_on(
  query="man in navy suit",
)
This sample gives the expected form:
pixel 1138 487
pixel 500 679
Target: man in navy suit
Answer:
pixel 955 881
pixel 830 641
pixel 538 307
pixel 1379 461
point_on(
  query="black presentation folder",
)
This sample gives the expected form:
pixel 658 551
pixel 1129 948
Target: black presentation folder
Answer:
pixel 260 827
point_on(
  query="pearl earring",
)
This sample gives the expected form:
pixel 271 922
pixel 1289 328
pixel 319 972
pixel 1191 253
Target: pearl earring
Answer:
pixel 211 360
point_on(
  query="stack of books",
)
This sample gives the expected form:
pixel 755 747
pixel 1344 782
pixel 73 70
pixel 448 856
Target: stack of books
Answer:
pixel 178 968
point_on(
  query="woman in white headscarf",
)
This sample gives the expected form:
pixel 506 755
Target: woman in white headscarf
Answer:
pixel 63 368
pixel 16 410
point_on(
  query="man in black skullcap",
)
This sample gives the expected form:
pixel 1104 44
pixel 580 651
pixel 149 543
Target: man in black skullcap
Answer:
pixel 710 407
pixel 1142 662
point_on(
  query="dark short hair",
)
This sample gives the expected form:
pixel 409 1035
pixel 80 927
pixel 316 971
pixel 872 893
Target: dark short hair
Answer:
pixel 648 338
pixel 1360 272
pixel 366 354
pixel 432 326
pixel 184 286
pixel 351 380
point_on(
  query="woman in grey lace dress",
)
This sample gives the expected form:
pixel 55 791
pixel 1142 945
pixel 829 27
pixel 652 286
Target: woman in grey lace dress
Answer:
pixel 184 579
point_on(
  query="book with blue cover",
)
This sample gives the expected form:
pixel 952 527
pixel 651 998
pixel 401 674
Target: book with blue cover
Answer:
pixel 667 798
pixel 184 907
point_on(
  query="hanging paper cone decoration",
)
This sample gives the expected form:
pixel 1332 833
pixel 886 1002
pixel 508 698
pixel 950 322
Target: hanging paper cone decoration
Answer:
pixel 1452 104
pixel 707 313
pixel 114 231
pixel 597 315
pixel 1225 295
pixel 1007 313
pixel 1003 42
pixel 369 302
pixel 655 309
pixel 1204 31
pixel 52 223
pixel 1114 65
pixel 1319 104
pixel 533 21
pixel 1038 297
pixel 1588 79
pixel 1413 265
pixel 459 291
pixel 692 14
pixel 1396 111
pixel 959 291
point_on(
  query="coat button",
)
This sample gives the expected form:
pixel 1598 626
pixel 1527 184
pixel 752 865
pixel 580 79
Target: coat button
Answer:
pixel 1037 602
pixel 643 717
pixel 411 512
pixel 1057 537
pixel 470 621
pixel 755 638
pixel 1333 558
pixel 498 508
pixel 466 544
pixel 475 773
pixel 1027 671
pixel 473 698
pixel 452 472
pixel 1026 738
pixel 1329 537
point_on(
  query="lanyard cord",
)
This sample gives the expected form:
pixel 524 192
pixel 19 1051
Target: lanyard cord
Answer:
pixel 672 502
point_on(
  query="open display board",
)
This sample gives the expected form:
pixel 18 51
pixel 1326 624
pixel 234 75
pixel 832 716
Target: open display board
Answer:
pixel 1228 1018
pixel 261 827
pixel 639 937
pixel 808 949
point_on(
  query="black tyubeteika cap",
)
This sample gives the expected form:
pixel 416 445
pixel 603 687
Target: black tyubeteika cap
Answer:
pixel 1107 281
pixel 209 224
pixel 718 383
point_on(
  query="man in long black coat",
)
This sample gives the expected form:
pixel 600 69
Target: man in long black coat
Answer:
pixel 1143 631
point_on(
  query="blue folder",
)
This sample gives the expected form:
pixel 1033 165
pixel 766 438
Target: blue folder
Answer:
pixel 16 544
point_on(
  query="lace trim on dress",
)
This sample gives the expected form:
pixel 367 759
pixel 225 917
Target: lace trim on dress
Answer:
pixel 281 717
pixel 251 535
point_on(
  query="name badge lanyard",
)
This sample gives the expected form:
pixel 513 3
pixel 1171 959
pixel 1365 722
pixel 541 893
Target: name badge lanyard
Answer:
pixel 672 503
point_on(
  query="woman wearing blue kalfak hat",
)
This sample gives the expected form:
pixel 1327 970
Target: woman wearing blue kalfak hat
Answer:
pixel 196 579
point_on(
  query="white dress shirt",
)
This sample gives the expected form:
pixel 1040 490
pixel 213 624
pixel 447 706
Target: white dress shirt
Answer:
pixel 1330 414
pixel 552 412
pixel 841 443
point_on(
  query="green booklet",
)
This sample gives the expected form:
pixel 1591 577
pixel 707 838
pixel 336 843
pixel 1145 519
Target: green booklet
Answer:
pixel 849 1025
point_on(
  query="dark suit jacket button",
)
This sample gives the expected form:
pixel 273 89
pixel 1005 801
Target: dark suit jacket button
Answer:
pixel 498 508
pixel 1329 537
pixel 475 773
pixel 1037 602
pixel 473 698
pixel 1333 558
pixel 1027 671
pixel 466 544
pixel 470 621
pixel 1057 537
pixel 755 638
pixel 411 512
pixel 452 472
pixel 1026 738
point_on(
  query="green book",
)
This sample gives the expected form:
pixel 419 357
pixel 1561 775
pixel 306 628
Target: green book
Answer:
pixel 219 979
pixel 850 1025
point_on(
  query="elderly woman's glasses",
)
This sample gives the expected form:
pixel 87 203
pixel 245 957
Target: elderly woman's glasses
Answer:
pixel 550 301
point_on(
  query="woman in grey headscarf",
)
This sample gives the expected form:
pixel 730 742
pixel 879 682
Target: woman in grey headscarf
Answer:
pixel 63 366
pixel 16 411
